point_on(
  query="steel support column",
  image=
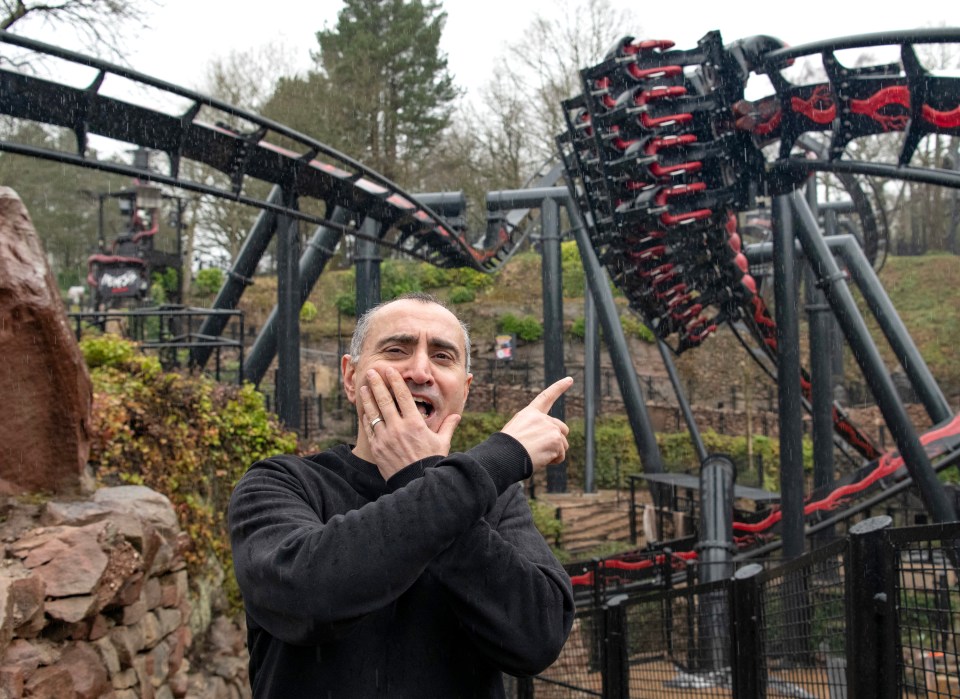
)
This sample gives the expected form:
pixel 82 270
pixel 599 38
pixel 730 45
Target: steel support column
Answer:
pixel 715 549
pixel 893 329
pixel 695 438
pixel 790 398
pixel 591 381
pixel 821 379
pixel 288 316
pixel 553 367
pixel 319 251
pixel 896 334
pixel 239 276
pixel 367 264
pixel 871 364
pixel 630 391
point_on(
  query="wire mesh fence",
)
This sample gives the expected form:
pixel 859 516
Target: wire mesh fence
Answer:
pixel 928 611
pixel 804 626
pixel 873 614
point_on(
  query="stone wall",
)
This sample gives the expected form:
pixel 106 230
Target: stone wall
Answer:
pixel 95 601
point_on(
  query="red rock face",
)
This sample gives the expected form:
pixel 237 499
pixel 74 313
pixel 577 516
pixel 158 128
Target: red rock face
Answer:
pixel 45 391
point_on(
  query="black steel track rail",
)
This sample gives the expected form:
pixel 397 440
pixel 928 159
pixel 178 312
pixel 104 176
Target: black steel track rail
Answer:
pixel 303 165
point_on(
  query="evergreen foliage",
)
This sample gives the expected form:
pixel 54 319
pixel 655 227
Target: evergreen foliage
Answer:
pixel 381 91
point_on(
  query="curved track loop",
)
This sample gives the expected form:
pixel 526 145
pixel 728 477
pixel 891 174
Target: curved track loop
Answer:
pixel 301 165
pixel 663 151
pixel 666 151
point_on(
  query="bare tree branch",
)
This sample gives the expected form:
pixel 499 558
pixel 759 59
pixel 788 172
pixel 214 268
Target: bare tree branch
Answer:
pixel 101 25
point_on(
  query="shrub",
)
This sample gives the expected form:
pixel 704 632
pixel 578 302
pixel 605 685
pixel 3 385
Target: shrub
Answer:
pixel 578 329
pixel 546 522
pixel 164 284
pixel 432 276
pixel 633 327
pixel 107 351
pixel 346 303
pixel 472 279
pixel 139 436
pixel 397 278
pixel 462 294
pixel 308 312
pixel 208 281
pixel 574 279
pixel 528 328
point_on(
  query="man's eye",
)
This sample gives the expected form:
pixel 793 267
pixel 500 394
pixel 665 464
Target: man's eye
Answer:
pixel 443 356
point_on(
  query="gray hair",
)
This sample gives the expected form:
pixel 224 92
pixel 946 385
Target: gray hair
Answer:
pixel 363 324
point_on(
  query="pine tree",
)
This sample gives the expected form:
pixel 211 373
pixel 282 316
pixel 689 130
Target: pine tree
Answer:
pixel 388 91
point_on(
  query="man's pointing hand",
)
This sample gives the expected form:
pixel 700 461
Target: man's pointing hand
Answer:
pixel 544 437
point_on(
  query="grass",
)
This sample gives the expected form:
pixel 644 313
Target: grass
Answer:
pixel 925 290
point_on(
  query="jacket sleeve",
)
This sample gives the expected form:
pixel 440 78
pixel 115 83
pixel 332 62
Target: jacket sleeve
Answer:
pixel 307 575
pixel 508 590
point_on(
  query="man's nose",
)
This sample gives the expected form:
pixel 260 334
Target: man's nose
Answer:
pixel 418 369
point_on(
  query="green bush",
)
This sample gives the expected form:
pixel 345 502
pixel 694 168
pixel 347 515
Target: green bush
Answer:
pixel 398 278
pixel 164 285
pixel 139 435
pixel 107 351
pixel 462 294
pixel 578 329
pixel 574 279
pixel 635 328
pixel 432 277
pixel 208 281
pixel 308 312
pixel 528 328
pixel 472 279
pixel 476 427
pixel 546 522
pixel 346 303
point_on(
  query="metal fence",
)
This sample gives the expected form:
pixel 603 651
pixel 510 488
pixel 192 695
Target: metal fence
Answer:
pixel 172 332
pixel 876 614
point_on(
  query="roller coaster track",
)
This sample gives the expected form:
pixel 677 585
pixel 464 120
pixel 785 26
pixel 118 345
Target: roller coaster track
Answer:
pixel 663 151
pixel 261 150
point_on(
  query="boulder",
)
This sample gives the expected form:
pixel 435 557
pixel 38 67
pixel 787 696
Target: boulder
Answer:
pixel 44 435
pixel 69 560
pixel 86 670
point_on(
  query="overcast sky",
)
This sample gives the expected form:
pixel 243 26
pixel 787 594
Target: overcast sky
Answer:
pixel 186 35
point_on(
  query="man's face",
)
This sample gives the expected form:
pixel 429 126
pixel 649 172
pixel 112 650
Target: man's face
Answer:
pixel 424 343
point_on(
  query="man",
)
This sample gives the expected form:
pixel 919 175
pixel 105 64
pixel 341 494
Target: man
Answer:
pixel 394 568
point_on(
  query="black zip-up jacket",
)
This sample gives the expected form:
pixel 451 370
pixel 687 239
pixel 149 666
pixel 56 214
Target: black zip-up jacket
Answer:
pixel 426 585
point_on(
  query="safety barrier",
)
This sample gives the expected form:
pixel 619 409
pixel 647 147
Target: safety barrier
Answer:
pixel 876 614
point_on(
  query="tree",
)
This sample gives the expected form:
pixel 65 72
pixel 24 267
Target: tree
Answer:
pixel 215 227
pixel 61 199
pixel 392 90
pixel 543 69
pixel 99 24
pixel 506 136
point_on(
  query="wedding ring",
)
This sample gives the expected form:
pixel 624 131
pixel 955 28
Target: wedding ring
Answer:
pixel 374 421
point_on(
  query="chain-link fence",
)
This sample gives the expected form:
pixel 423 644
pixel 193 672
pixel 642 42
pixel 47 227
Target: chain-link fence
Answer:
pixel 874 614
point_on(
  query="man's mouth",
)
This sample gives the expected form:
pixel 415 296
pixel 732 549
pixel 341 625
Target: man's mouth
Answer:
pixel 424 406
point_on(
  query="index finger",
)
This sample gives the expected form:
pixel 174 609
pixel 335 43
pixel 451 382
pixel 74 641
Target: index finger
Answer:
pixel 548 396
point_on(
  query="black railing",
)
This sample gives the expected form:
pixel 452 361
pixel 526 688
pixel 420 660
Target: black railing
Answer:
pixel 171 332
pixel 876 614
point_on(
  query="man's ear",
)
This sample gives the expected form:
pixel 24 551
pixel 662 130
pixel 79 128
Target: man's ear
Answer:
pixel 466 391
pixel 349 371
